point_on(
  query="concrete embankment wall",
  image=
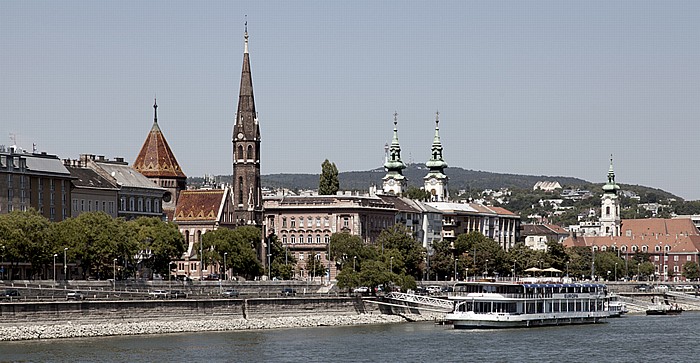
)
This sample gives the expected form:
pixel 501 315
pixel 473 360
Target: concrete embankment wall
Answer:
pixel 185 309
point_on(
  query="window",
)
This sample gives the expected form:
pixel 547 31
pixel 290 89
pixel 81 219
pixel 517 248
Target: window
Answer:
pixel 284 222
pixel 346 222
pixel 310 239
pixel 292 239
pixel 240 152
pixel 250 155
pixel 327 222
pixel 645 248
pixel 665 258
pixel 675 258
pixel 675 268
pixel 656 258
pixel 89 206
pixel 132 204
pixel 607 211
pixel 327 239
pixel 293 223
pixel 75 204
pixel 240 185
pixel 623 248
pixel 122 204
pixel 657 248
pixel 301 256
pixel 318 222
pixel 140 205
pixel 111 207
pixel 634 248
pixel 688 258
pixel 667 248
pixel 148 205
pixel 318 239
pixel 309 222
pixel 284 238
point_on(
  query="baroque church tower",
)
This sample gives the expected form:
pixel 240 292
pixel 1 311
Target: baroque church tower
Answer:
pixel 247 192
pixel 157 162
pixel 394 182
pixel 436 180
pixel 610 206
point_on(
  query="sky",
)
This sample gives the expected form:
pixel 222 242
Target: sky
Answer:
pixel 525 87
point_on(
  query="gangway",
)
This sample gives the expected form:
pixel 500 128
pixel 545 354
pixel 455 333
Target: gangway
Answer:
pixel 420 302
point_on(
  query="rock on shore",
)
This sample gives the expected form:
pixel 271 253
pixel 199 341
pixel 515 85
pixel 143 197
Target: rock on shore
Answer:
pixel 163 326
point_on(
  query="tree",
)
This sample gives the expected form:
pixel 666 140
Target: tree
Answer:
pixel 417 194
pixel 25 237
pixel 409 251
pixel 159 241
pixel 328 183
pixel 239 244
pixel 314 266
pixel 691 271
pixel 282 262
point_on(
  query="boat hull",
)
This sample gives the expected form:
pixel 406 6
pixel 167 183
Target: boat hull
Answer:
pixel 664 312
pixel 460 321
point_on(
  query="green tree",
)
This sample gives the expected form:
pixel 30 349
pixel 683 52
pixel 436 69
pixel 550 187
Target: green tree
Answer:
pixel 348 279
pixel 239 244
pixel 373 274
pixel 282 262
pixel 347 250
pixel 417 194
pixel 580 259
pixel 314 266
pixel 159 242
pixel 646 270
pixel 25 237
pixel 328 183
pixel 409 251
pixel 691 271
pixel 523 257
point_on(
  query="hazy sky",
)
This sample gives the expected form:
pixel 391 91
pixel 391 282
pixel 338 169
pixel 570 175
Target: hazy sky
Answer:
pixel 531 87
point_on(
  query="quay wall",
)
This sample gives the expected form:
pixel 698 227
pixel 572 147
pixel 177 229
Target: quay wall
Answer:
pixel 86 310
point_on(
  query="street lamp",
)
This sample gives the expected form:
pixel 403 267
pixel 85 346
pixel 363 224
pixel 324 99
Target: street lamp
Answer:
pixel 514 276
pixel 225 269
pixel 466 273
pixel 54 267
pixel 354 260
pixel 114 272
pixel 201 261
pixel 486 270
pixel 615 271
pixel 456 259
pixel 391 264
pixel 567 269
pixel 269 270
pixel 65 265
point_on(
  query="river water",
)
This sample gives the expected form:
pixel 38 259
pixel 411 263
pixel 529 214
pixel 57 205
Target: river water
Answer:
pixel 635 338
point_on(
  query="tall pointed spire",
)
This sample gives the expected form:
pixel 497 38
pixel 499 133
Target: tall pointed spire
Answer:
pixel 155 110
pixel 394 181
pixel 436 180
pixel 245 49
pixel 611 186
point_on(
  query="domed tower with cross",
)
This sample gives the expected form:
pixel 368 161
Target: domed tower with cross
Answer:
pixel 394 182
pixel 436 180
pixel 610 206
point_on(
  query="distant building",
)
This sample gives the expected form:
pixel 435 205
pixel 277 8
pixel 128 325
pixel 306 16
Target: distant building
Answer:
pixel 138 196
pixel 499 224
pixel 424 221
pixel 547 186
pixel 670 243
pixel 198 212
pixel 34 180
pixel 304 225
pixel 158 163
pixel 91 192
pixel 536 236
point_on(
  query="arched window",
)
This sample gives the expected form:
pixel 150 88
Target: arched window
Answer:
pixel 595 248
pixel 657 248
pixel 634 248
pixel 132 202
pixel 604 248
pixel 645 248
pixel 327 239
pixel 667 248
pixel 250 154
pixel 187 236
pixel 318 238
pixel 293 239
pixel 240 187
pixel 623 248
pixel 310 239
pixel 607 210
pixel 199 236
pixel 240 152
pixel 284 238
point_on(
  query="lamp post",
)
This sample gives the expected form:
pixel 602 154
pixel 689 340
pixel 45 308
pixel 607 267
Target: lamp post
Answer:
pixel 54 267
pixel 269 270
pixel 486 270
pixel 615 271
pixel 65 265
pixel 567 269
pixel 201 261
pixel 514 276
pixel 638 271
pixel 354 260
pixel 225 269
pixel 114 272
pixel 391 264
pixel 456 259
pixel 466 273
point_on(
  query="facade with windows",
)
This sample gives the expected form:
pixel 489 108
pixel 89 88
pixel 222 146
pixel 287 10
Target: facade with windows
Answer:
pixel 669 244
pixel 138 196
pixel 91 192
pixel 304 224
pixel 34 180
pixel 499 224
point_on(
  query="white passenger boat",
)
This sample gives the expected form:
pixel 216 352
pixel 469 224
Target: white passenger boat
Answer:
pixel 510 305
pixel 615 307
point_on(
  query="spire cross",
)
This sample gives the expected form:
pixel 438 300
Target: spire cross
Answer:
pixel 395 118
pixel 246 34
pixel 155 110
pixel 437 118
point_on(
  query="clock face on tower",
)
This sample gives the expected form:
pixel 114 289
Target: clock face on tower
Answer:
pixel 391 182
pixel 240 136
pixel 433 181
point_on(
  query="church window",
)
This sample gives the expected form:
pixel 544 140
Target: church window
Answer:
pixel 240 152
pixel 607 210
pixel 240 189
pixel 250 155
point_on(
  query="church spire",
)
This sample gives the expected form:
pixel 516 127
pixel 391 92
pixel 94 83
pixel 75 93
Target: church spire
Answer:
pixel 394 181
pixel 245 49
pixel 436 180
pixel 155 111
pixel 611 186
pixel 436 163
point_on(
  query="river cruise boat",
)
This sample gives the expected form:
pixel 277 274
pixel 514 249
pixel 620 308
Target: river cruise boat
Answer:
pixel 511 305
pixel 615 307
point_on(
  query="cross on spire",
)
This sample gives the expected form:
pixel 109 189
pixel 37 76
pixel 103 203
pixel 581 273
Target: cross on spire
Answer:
pixel 155 110
pixel 246 35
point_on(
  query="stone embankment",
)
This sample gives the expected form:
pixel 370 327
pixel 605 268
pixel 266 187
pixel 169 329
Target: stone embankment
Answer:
pixel 163 326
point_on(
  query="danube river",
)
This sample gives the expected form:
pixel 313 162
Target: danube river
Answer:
pixel 634 338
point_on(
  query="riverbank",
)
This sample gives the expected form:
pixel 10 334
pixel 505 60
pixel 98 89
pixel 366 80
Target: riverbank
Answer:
pixel 82 329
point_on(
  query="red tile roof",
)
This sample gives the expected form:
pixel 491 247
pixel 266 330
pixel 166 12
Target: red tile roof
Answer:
pixel 195 205
pixel 155 158
pixel 679 244
pixel 658 226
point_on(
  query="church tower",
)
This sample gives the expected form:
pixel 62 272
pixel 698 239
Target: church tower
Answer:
pixel 247 193
pixel 436 180
pixel 610 206
pixel 157 162
pixel 394 182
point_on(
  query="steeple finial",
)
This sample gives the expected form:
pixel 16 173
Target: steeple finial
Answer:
pixel 155 110
pixel 246 35
pixel 396 114
pixel 437 119
pixel 611 186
